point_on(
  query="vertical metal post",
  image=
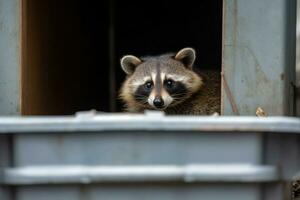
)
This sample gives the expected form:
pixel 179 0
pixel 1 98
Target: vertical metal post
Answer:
pixel 297 82
pixel 258 56
pixel 10 57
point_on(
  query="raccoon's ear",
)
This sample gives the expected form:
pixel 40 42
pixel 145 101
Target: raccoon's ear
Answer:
pixel 187 56
pixel 129 63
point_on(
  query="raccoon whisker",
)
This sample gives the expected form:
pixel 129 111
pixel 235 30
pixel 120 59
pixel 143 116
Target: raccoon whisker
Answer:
pixel 143 102
pixel 179 94
pixel 176 94
pixel 177 98
pixel 142 99
pixel 183 92
pixel 140 95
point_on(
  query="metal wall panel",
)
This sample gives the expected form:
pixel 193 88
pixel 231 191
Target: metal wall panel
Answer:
pixel 140 191
pixel 150 156
pixel 140 148
pixel 10 57
pixel 258 56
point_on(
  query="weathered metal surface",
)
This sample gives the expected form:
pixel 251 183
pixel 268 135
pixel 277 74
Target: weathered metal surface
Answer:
pixel 136 148
pixel 258 55
pixel 116 156
pixel 5 161
pixel 141 191
pixel 10 57
pixel 155 173
pixel 297 82
pixel 135 142
pixel 149 122
pixel 283 149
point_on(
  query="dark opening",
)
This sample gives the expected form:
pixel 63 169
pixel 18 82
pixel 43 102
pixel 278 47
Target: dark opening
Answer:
pixel 71 49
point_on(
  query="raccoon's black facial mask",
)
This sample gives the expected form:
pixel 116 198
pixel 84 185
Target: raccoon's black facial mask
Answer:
pixel 176 89
pixel 176 92
pixel 143 92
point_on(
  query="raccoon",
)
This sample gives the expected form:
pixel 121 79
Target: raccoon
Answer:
pixel 168 83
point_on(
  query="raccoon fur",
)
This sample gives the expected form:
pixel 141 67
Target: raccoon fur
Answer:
pixel 169 83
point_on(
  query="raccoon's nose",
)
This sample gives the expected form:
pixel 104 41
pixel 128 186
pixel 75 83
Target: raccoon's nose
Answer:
pixel 158 102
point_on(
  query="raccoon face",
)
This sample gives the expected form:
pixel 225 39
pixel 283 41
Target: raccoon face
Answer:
pixel 159 82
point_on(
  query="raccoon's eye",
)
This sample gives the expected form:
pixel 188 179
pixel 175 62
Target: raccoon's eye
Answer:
pixel 169 83
pixel 148 84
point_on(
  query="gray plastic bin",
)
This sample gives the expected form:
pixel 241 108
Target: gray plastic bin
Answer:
pixel 151 156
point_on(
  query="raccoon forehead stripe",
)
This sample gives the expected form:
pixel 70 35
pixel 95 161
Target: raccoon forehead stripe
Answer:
pixel 139 82
pixel 162 76
pixel 146 79
pixel 177 77
pixel 158 82
pixel 153 77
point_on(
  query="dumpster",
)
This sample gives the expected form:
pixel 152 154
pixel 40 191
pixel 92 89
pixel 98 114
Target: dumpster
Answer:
pixel 61 57
pixel 150 156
